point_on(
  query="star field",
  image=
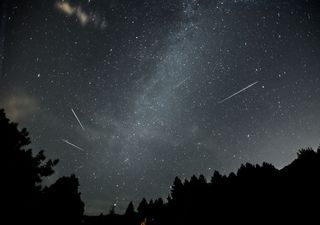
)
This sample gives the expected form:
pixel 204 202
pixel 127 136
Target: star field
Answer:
pixel 130 94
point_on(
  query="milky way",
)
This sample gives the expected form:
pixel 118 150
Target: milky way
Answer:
pixel 130 94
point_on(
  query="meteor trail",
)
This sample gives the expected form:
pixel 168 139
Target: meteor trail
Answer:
pixel 180 83
pixel 75 115
pixel 238 92
pixel 126 160
pixel 73 145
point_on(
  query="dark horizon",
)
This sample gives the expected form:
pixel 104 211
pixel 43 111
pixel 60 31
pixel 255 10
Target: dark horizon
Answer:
pixel 252 192
pixel 130 94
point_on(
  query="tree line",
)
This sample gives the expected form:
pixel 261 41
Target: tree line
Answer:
pixel 254 194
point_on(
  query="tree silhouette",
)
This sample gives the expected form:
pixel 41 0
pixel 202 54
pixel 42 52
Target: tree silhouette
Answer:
pixel 130 210
pixel 24 198
pixel 22 173
pixel 143 207
pixel 64 202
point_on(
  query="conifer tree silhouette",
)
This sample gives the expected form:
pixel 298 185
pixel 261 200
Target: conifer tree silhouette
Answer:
pixel 25 199
pixel 22 172
pixel 130 210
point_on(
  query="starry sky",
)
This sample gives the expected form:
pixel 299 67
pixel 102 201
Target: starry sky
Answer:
pixel 129 94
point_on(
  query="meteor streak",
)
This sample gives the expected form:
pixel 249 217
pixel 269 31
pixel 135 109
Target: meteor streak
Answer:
pixel 75 115
pixel 73 145
pixel 238 92
pixel 180 83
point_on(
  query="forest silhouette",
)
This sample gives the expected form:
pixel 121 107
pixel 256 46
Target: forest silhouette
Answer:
pixel 255 194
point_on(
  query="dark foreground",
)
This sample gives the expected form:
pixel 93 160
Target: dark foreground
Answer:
pixel 255 194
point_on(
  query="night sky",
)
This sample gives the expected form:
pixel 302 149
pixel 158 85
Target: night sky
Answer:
pixel 129 94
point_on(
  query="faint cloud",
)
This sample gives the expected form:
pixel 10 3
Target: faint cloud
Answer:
pixel 66 8
pixel 83 17
pixel 69 10
pixel 19 106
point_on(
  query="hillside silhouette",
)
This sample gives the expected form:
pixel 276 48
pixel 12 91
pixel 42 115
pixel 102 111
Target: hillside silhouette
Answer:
pixel 255 194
